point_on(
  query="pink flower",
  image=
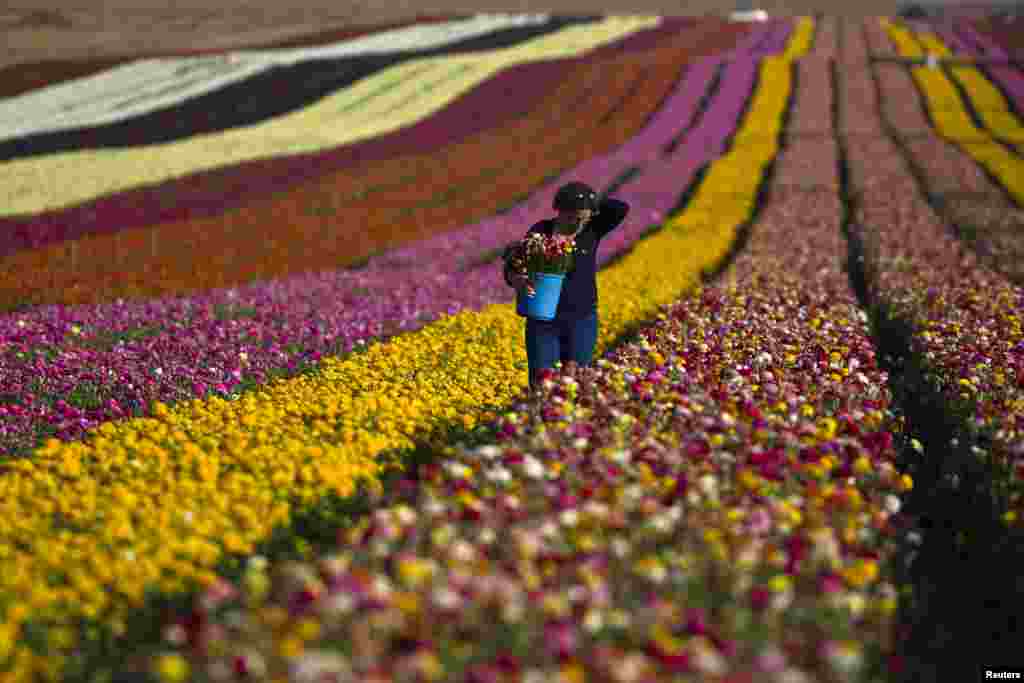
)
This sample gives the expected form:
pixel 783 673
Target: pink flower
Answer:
pixel 759 598
pixel 561 639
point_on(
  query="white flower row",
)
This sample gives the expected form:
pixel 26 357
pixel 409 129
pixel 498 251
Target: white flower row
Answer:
pixel 147 85
pixel 398 100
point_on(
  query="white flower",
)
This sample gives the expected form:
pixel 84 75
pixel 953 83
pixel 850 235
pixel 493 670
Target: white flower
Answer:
pixel 490 452
pixel 596 509
pixel 708 661
pixel 533 467
pixel 708 485
pixel 337 604
pixel 593 621
pixel 434 507
pixel 549 529
pixel 458 470
pixel 620 456
pixel 793 676
pixel 461 551
pixel 634 493
pixel 405 515
pixel 381 588
pixel 662 524
pixel 569 518
pixel 499 475
pixel 317 665
pixel 445 598
pixel 576 593
pixel 620 547
pixel 855 602
pixel 892 504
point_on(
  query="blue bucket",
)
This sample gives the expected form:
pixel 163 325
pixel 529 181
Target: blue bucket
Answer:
pixel 544 303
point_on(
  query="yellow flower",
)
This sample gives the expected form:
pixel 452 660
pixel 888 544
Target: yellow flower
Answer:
pixel 406 601
pixel 171 668
pixel 290 647
pixel 861 573
pixel 307 629
pixel 712 535
pixel 415 571
pixel 862 465
pixel 748 480
pixel 573 673
pixel 906 483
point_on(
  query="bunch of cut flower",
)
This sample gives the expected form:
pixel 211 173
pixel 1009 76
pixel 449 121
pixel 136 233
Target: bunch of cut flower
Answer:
pixel 548 253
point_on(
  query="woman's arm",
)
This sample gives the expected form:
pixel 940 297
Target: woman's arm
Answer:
pixel 516 275
pixel 610 215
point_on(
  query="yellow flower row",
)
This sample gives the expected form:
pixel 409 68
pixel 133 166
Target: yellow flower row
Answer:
pixel 952 120
pixel 68 178
pixel 985 97
pixel 152 501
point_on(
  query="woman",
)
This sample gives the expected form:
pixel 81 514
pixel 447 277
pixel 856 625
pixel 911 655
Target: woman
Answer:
pixel 572 335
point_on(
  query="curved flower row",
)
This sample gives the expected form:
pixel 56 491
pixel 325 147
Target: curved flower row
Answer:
pixel 962 193
pixel 479 113
pixel 1005 32
pixel 148 85
pixel 713 500
pixel 100 363
pixel 242 466
pixel 961 35
pixel 33 185
pixel 28 76
pixel 953 122
pixel 984 97
pixel 967 317
pixel 346 217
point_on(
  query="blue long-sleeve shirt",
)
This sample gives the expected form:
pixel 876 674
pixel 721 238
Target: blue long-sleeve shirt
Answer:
pixel 579 290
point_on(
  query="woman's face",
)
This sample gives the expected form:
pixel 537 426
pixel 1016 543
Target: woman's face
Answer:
pixel 576 219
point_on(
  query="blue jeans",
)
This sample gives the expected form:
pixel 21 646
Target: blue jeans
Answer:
pixel 548 341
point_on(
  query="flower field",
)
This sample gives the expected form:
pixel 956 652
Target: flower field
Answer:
pixel 263 396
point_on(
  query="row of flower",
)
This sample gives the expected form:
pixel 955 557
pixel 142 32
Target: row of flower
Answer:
pixel 272 237
pixel 101 359
pixel 244 466
pixel 269 237
pixel 953 122
pixel 716 499
pixel 125 107
pixel 959 188
pixel 984 93
pixel 30 76
pixel 1005 32
pixel 477 114
pixel 967 316
pixel 59 180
